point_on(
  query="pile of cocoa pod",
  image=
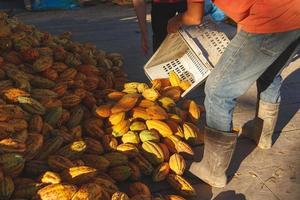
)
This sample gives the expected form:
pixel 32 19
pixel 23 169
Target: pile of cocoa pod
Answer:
pixel 73 127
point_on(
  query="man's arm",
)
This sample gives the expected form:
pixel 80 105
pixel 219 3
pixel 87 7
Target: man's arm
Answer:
pixel 140 10
pixel 192 16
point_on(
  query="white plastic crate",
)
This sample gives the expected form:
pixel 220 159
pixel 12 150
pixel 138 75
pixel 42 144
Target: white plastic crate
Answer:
pixel 192 53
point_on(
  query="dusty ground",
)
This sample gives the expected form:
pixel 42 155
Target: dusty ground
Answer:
pixel 254 174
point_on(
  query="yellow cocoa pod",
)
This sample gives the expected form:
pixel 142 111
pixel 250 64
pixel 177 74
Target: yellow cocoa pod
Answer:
pixel 145 103
pixel 162 127
pixel 167 103
pixel 12 94
pixel 174 79
pixel 194 111
pixel 126 103
pixel 115 95
pixel 156 84
pixel 180 146
pixel 142 87
pixel 119 196
pixel 181 185
pixel 161 172
pixel 103 111
pixel 177 164
pixel 128 149
pixel 131 85
pixel 116 118
pixel 120 129
pixel 174 197
pixel 153 152
pixel 157 112
pixel 78 175
pixel 140 113
pixel 138 126
pixel 130 90
pixel 130 137
pixel 184 85
pixel 190 133
pixel 50 177
pixel 151 94
pixel 60 191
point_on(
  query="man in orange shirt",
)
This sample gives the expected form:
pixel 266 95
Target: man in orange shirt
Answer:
pixel 270 32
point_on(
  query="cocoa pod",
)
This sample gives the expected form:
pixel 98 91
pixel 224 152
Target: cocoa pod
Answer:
pixel 98 162
pixel 50 147
pixel 79 175
pixel 10 145
pixel 60 191
pixel 12 163
pixel 36 124
pixel 34 143
pixel 73 150
pixel 36 167
pixel 59 163
pixel 6 187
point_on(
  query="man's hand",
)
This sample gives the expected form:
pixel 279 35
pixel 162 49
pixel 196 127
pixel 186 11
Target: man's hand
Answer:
pixel 144 43
pixel 174 24
pixel 192 16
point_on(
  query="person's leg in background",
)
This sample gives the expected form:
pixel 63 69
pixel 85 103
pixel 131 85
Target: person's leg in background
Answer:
pixel 160 15
pixel 246 58
pixel 261 129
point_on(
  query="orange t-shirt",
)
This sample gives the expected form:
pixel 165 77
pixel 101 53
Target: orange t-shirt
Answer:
pixel 263 16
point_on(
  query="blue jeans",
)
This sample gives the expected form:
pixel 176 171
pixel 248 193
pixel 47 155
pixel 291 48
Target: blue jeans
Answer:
pixel 248 58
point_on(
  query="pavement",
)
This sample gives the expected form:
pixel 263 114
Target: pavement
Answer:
pixel 254 174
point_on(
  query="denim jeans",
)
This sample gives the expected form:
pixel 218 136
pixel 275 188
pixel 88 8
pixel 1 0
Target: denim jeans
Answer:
pixel 248 58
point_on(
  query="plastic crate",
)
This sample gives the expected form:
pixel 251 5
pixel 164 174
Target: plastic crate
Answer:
pixel 192 53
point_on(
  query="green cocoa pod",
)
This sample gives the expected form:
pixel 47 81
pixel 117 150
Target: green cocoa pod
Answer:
pixel 31 105
pixel 12 163
pixel 50 147
pixel 6 188
pixel 43 93
pixel 53 115
pixel 76 116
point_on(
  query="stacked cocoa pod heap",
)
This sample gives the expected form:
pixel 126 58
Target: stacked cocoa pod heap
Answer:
pixel 73 127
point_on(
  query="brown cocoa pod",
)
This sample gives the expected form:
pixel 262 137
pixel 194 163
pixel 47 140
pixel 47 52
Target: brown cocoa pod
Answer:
pixel 91 83
pixel 36 124
pixel 8 112
pixel 34 143
pixel 10 145
pixel 80 92
pixel 50 74
pixel 93 128
pixel 65 116
pixel 70 100
pixel 60 89
pixel 59 163
pixel 93 146
pixel 76 132
pixel 49 103
pixel 68 74
pixel 110 143
pixel 36 167
pixel 59 66
pixel 20 135
pixel 51 146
